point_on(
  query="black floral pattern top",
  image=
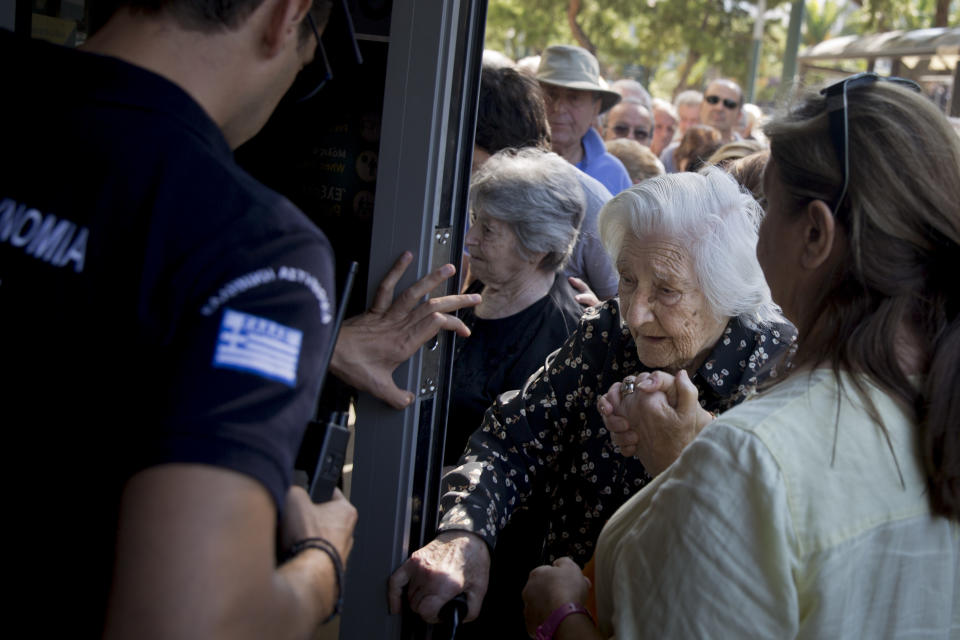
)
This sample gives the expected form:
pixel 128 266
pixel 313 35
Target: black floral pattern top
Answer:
pixel 546 444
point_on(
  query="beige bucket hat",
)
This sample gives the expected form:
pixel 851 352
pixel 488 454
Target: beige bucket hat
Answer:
pixel 574 68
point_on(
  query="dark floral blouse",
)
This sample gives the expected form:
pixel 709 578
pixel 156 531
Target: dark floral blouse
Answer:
pixel 546 444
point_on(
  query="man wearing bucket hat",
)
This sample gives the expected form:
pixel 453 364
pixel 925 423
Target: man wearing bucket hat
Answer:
pixel 570 79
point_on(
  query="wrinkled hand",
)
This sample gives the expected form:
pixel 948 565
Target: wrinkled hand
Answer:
pixel 551 586
pixel 453 563
pixel 586 297
pixel 333 520
pixel 374 343
pixel 655 422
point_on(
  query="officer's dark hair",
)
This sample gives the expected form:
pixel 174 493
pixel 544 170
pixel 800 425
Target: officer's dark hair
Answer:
pixel 215 15
pixel 511 111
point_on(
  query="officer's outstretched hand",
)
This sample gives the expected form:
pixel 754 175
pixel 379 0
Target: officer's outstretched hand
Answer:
pixel 374 343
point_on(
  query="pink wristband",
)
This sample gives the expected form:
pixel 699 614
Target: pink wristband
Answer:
pixel 549 627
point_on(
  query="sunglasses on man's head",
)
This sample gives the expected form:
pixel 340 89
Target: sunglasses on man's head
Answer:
pixel 727 102
pixel 623 130
pixel 836 95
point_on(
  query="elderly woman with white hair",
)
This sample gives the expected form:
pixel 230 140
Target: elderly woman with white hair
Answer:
pixel 827 506
pixel 526 207
pixel 693 299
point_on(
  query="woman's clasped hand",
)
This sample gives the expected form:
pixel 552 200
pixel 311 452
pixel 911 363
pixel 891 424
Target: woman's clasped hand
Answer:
pixel 653 416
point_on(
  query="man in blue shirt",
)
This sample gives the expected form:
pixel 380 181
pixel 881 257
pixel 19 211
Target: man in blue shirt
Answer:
pixel 570 79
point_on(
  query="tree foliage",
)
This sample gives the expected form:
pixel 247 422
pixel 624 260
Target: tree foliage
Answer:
pixel 671 45
pixel 884 15
pixel 684 39
pixel 819 20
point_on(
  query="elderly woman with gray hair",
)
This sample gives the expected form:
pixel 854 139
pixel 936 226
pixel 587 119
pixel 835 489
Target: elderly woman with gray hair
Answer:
pixel 692 299
pixel 526 208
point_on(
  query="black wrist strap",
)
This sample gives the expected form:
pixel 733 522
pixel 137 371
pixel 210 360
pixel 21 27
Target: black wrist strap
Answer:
pixel 327 547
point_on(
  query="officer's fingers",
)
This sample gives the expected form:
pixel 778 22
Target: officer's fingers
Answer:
pixel 393 395
pixel 384 296
pixel 413 295
pixel 448 304
pixel 430 326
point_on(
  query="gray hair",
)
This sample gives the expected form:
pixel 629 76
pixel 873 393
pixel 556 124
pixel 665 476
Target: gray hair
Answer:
pixel 631 89
pixel 538 194
pixel 605 116
pixel 659 104
pixel 717 223
pixel 687 98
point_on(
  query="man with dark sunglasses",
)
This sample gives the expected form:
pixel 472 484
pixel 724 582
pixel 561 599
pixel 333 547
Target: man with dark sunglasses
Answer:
pixel 164 317
pixel 721 106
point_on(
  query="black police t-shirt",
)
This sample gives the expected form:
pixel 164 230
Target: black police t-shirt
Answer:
pixel 157 305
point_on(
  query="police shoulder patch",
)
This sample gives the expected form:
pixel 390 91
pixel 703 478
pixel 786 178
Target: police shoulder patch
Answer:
pixel 259 346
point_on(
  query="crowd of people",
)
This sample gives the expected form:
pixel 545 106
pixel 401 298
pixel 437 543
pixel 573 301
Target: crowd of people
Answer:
pixel 705 368
pixel 746 440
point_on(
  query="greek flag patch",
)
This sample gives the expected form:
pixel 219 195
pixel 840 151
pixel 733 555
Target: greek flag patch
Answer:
pixel 259 346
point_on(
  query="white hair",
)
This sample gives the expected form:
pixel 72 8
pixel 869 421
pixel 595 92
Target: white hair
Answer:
pixel 717 223
pixel 659 104
pixel 538 194
pixel 688 98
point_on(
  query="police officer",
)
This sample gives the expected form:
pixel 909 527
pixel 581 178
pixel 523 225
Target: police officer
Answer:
pixel 163 315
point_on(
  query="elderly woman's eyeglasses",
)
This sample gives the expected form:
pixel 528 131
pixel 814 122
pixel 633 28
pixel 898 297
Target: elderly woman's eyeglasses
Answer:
pixel 836 95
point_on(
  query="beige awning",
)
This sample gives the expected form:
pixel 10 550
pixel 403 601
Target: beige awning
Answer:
pixel 942 42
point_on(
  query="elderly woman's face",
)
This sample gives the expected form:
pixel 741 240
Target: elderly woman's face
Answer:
pixel 495 251
pixel 669 318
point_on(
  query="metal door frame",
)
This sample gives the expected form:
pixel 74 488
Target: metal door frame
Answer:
pixel 426 149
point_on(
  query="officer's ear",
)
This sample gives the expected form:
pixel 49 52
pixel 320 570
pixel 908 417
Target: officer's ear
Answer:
pixel 282 23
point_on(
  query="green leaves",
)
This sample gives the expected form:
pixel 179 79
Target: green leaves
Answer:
pixel 681 42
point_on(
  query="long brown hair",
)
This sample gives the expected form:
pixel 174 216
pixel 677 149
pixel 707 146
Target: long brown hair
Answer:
pixel 901 215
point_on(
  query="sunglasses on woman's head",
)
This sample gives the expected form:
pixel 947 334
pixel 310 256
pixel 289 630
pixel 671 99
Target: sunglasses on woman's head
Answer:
pixel 727 102
pixel 836 95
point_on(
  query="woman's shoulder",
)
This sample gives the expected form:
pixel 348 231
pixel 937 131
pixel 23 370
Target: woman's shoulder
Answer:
pixel 842 472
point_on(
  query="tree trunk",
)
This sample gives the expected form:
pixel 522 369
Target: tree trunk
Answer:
pixel 573 9
pixel 943 8
pixel 692 58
